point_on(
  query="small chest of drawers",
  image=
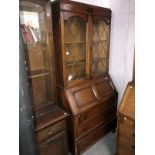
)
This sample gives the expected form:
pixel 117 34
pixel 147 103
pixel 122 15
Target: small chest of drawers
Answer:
pixel 126 123
pixel 51 133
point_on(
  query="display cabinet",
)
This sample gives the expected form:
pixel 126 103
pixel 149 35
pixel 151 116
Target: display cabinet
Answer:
pixel 35 23
pixel 81 35
pixel 37 37
pixel 84 44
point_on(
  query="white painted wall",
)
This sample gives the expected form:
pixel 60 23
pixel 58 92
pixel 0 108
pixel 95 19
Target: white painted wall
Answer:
pixel 122 40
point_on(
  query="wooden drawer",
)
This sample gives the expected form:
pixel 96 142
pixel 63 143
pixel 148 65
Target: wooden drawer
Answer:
pixel 95 135
pixel 95 117
pixel 128 144
pixel 97 110
pixel 55 145
pixel 50 130
pixel 126 131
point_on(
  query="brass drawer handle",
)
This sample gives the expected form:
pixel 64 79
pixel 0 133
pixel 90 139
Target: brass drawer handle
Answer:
pixel 95 92
pixel 50 132
pixel 124 118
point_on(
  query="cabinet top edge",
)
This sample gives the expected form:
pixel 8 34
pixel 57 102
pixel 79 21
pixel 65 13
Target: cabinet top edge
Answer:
pixel 63 2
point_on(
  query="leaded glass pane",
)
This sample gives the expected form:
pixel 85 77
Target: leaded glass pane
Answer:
pixel 100 47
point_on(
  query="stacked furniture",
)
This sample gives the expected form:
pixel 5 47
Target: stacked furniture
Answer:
pixel 50 127
pixel 126 122
pixel 85 89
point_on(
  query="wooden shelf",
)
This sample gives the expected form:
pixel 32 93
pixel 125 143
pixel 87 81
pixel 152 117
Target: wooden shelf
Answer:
pixel 35 43
pixel 79 42
pixel 38 73
pixel 97 41
pixel 77 62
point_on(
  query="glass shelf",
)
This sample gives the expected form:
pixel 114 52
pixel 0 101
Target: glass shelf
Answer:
pixel 74 64
pixel 36 43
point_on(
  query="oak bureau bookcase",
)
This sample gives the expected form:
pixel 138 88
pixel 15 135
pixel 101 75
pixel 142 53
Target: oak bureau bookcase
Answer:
pixel 50 127
pixel 81 35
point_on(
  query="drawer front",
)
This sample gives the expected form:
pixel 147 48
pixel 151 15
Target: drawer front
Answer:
pixel 128 144
pixel 95 117
pixel 95 135
pixel 56 144
pixel 50 131
pixel 126 131
pixel 100 108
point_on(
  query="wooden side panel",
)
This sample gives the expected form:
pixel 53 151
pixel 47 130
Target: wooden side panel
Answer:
pixel 57 48
pixel 124 151
pixel 126 123
pixel 127 106
pixel 39 90
pixel 62 100
pixel 51 53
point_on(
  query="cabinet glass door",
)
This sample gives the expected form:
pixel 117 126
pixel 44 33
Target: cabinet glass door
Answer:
pixel 75 47
pixel 100 45
pixel 33 26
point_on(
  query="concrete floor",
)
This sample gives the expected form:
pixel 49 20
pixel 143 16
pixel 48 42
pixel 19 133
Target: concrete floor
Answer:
pixel 105 146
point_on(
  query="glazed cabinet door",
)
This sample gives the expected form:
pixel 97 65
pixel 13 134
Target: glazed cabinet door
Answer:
pixel 100 45
pixel 75 45
pixel 37 44
pixel 56 145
